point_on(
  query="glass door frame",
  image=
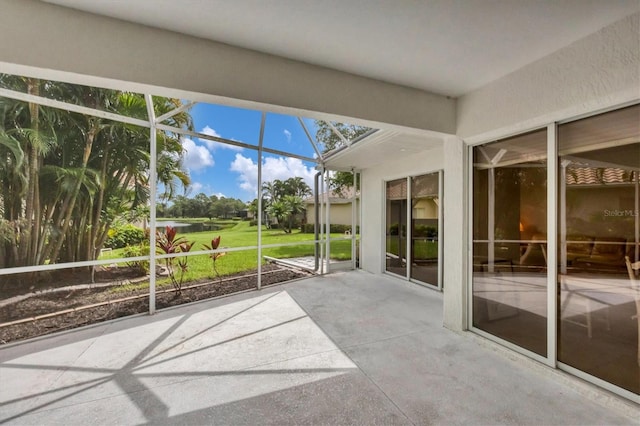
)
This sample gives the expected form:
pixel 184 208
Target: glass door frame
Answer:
pixel 408 250
pixel 553 215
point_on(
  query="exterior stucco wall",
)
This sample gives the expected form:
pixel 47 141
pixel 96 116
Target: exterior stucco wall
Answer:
pixel 599 71
pixel 450 158
pixel 373 201
pixel 455 235
pixel 48 41
pixel 338 214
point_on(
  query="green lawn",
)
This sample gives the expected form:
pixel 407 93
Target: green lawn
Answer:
pixel 243 235
pixel 423 249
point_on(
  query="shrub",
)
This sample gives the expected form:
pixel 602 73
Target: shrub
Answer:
pixel 424 231
pixel 334 228
pixel 135 251
pixel 168 243
pixel 215 243
pixel 123 236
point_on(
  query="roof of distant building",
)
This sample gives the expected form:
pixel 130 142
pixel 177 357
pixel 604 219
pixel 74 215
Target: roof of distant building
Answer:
pixel 597 176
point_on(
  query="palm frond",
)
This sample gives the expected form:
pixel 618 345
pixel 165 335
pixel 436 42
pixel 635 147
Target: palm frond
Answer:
pixel 14 147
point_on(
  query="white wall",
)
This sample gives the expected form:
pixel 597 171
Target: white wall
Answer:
pixel 450 158
pixel 599 71
pixel 373 200
pixel 47 41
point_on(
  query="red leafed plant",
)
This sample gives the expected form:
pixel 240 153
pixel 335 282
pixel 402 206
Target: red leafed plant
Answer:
pixel 215 243
pixel 167 243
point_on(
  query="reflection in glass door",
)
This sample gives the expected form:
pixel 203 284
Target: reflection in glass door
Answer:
pixel 414 251
pixel 584 263
pixel 425 215
pixel 510 240
pixel 599 241
pixel 396 227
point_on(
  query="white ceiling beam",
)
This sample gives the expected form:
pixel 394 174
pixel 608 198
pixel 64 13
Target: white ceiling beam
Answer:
pixel 242 77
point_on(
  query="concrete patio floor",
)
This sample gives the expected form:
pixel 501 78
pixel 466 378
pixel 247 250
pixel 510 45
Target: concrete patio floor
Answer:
pixel 348 348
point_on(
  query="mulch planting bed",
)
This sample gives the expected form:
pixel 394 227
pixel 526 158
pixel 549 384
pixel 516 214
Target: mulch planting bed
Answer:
pixel 79 304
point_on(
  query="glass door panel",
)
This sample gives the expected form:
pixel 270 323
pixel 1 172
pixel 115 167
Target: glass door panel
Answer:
pixel 599 229
pixel 396 227
pixel 509 240
pixel 425 214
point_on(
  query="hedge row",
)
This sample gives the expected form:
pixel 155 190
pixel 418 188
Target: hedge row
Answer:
pixel 334 228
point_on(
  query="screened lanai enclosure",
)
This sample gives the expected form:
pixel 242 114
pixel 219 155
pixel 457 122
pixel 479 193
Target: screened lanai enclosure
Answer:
pixel 114 203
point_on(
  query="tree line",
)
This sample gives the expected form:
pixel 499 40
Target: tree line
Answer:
pixel 202 205
pixel 282 203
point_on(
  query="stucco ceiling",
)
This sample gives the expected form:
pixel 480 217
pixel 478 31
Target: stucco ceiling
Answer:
pixel 448 47
pixel 382 146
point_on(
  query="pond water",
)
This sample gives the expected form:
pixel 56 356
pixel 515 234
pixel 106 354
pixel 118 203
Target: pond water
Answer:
pixel 184 228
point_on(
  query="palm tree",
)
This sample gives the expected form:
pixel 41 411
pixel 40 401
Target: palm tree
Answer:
pixel 29 126
pixel 280 211
pixel 295 205
pixel 66 177
pixel 297 186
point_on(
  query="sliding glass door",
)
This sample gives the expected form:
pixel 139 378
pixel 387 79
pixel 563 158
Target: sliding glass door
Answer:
pixel 396 227
pixel 425 217
pixel 598 230
pixel 555 237
pixel 414 251
pixel 509 240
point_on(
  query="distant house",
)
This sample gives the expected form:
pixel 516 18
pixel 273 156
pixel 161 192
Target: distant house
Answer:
pixel 339 210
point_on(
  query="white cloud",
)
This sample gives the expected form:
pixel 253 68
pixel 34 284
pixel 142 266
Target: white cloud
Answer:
pixel 213 145
pixel 248 172
pixel 287 134
pixel 211 132
pixel 196 157
pixel 272 168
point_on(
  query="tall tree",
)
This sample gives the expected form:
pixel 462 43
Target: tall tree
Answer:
pixel 296 186
pixel 295 206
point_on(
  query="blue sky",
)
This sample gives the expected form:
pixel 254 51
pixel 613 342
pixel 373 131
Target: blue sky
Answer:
pixel 231 171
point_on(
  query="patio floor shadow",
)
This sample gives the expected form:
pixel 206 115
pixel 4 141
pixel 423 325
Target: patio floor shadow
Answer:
pixel 347 348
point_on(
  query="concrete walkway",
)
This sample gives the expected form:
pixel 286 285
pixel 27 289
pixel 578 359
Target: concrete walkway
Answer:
pixel 308 263
pixel 349 348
